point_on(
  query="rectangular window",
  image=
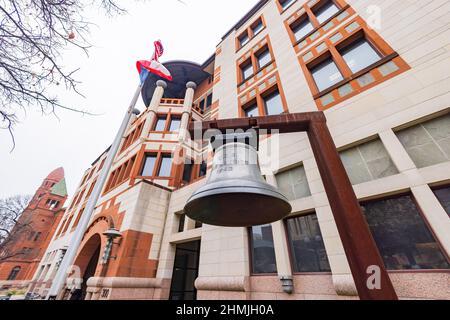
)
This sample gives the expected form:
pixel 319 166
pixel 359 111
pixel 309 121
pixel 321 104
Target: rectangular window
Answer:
pixel 326 11
pixel 306 244
pixel 428 143
pixel 286 3
pixel 359 55
pixel 251 111
pixel 165 167
pixel 293 183
pixel 198 224
pixel 403 238
pixel 263 58
pixel 181 222
pixel 244 39
pixel 201 105
pixel 149 165
pixel 273 104
pixel 257 27
pixel 203 168
pixel 174 124
pixel 187 171
pixel 209 100
pixel 443 195
pixel 247 71
pixel 368 161
pixel 301 29
pixel 326 74
pixel 262 250
pixel 160 124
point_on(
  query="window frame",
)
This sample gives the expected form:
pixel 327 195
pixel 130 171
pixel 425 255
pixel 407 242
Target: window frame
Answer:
pixel 168 116
pixel 249 31
pixel 253 61
pixel 258 100
pixel 437 188
pixel 282 9
pixel 422 215
pixel 347 74
pixel 291 254
pixel 156 168
pixel 250 254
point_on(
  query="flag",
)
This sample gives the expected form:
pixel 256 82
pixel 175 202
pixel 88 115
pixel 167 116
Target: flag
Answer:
pixel 144 67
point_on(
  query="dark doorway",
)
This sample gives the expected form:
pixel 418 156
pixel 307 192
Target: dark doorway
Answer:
pixel 90 272
pixel 185 271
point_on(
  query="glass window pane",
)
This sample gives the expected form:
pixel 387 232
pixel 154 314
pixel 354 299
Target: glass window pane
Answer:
pixel 243 40
pixel 247 71
pixel 302 29
pixel 208 100
pixel 307 247
pixel 201 105
pixel 360 55
pixel 160 124
pixel 264 58
pixel 273 104
pixel 366 162
pixel 286 3
pixel 293 183
pixel 257 28
pixel 149 165
pixel 187 172
pixel 403 238
pixel 263 250
pixel 181 223
pixel 443 196
pixel 429 143
pixel 203 169
pixel 166 166
pixel 175 124
pixel 326 11
pixel 326 74
pixel 439 130
pixel 252 111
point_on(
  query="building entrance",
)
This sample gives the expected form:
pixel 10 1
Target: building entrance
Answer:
pixel 185 271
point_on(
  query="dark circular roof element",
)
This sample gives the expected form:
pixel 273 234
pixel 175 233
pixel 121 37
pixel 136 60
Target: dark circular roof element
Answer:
pixel 182 72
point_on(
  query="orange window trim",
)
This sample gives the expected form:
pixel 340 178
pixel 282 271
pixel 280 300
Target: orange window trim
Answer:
pixel 251 57
pixel 313 56
pixel 249 32
pixel 259 96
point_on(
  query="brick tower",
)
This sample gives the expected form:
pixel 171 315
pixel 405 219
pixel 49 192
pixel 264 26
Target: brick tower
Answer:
pixel 29 243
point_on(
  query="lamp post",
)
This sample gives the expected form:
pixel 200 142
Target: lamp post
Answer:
pixel 111 234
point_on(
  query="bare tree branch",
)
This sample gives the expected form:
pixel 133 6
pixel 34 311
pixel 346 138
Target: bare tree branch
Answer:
pixel 12 228
pixel 33 35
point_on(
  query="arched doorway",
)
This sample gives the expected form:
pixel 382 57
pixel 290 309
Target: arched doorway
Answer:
pixel 87 261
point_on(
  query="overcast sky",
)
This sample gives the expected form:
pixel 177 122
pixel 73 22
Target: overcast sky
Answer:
pixel 109 79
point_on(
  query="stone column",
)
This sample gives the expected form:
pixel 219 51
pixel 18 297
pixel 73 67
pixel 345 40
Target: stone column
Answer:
pixel 281 249
pixel 153 107
pixel 187 109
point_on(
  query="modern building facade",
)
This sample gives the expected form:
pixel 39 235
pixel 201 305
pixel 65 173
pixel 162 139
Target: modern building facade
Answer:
pixel 380 74
pixel 33 232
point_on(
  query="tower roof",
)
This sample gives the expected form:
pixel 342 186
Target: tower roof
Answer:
pixel 60 188
pixel 57 174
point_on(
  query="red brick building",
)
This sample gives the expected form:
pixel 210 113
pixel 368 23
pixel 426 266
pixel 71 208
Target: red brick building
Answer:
pixel 29 243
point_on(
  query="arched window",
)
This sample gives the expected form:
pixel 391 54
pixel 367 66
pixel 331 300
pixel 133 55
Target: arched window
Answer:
pixel 14 272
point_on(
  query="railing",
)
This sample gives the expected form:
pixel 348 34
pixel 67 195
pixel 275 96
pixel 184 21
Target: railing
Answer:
pixel 172 101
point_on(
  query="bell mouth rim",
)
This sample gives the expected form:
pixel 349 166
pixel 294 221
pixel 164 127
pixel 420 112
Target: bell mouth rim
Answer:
pixel 241 189
pixel 218 220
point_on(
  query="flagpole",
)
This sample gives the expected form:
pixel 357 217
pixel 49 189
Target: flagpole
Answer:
pixel 66 263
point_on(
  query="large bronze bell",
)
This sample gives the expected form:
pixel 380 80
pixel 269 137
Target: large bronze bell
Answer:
pixel 236 194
